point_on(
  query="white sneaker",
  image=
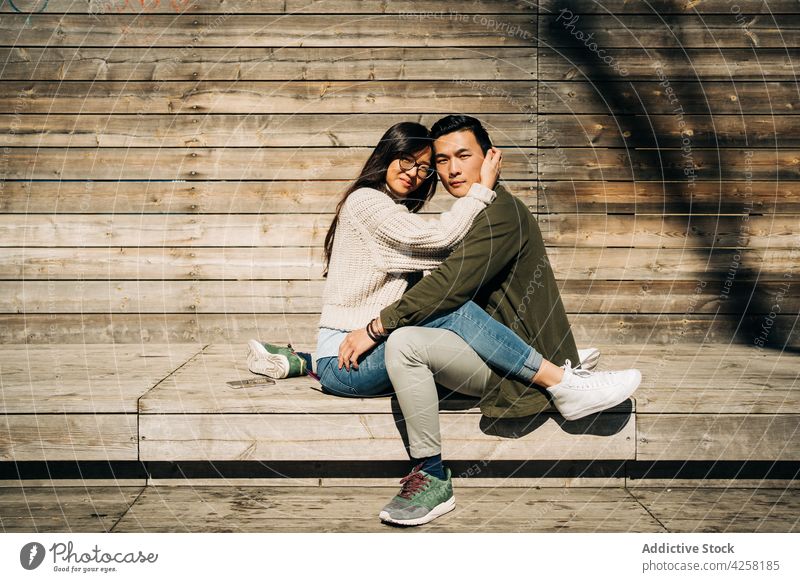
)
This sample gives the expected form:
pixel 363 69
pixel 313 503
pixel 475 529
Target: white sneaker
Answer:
pixel 582 392
pixel 589 358
pixel 260 361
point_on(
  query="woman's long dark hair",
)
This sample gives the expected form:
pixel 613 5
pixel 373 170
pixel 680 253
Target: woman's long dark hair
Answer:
pixel 406 137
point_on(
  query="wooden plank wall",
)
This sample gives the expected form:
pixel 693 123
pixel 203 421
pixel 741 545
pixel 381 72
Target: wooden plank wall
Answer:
pixel 169 169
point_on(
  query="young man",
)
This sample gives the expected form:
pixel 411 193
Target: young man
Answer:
pixel 502 266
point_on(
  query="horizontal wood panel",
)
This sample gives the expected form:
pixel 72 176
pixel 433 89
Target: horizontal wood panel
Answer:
pixel 239 64
pixel 744 379
pixel 688 164
pixel 444 7
pixel 762 394
pixel 280 6
pixel 678 7
pixel 703 506
pixel 713 295
pixel 344 163
pixel 211 163
pixel 713 437
pixel 203 388
pixel 566 64
pixel 52 504
pixel 411 6
pixel 658 231
pixel 669 131
pixel 252 97
pixel 489 508
pixel 724 197
pixel 67 437
pixel 599 31
pixel 316 196
pixel 273 506
pixel 588 329
pixel 281 230
pixel 520 163
pixel 290 263
pixel 650 97
pixel 176 30
pixel 281 130
pixel 315 130
pixel 360 129
pixel 328 437
pixel 88 378
pixel 193 197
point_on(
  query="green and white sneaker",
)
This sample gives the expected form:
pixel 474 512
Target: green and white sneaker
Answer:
pixel 274 361
pixel 422 498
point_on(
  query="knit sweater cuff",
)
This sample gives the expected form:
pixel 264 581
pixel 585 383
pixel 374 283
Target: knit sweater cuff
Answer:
pixel 482 193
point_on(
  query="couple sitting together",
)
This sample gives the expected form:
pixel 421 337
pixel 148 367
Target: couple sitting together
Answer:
pixel 466 300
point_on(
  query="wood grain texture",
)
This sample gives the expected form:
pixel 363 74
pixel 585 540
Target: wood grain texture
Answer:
pixel 363 436
pixel 717 436
pixel 241 66
pixel 781 333
pixel 171 150
pixel 673 63
pixel 708 510
pixel 290 296
pixel 301 130
pixel 672 7
pixel 577 95
pixel 713 265
pixel 279 6
pixel 61 508
pixel 305 230
pixel 266 31
pixel 67 437
pixel 716 32
pixel 489 509
pixel 211 163
pixel 88 378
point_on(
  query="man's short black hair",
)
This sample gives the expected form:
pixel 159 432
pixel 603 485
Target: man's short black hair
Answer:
pixel 453 123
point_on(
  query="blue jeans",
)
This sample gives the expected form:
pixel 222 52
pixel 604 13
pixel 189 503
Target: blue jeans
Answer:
pixel 496 344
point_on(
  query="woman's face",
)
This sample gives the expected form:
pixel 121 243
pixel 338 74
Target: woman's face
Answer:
pixel 402 182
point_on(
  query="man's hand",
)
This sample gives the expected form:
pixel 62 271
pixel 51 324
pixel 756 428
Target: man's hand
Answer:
pixel 490 169
pixel 356 343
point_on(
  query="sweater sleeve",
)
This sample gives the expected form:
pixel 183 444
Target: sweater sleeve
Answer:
pixel 404 241
pixel 485 251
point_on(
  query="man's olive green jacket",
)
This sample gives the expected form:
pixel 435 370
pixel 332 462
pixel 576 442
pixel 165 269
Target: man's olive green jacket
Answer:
pixel 501 264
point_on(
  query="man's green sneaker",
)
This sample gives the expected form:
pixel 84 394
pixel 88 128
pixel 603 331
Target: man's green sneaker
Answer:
pixel 423 498
pixel 274 361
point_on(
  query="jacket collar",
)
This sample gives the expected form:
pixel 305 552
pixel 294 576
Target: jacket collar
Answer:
pixel 501 190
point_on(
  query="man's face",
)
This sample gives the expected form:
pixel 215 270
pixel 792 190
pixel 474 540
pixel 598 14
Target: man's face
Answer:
pixel 458 159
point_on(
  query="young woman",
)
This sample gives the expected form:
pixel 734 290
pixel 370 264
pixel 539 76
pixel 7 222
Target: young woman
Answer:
pixel 376 243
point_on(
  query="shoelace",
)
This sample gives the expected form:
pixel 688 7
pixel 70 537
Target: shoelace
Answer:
pixel 412 483
pixel 599 379
pixel 577 371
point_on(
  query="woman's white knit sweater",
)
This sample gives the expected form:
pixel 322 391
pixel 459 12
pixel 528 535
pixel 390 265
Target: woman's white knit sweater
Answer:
pixel 377 242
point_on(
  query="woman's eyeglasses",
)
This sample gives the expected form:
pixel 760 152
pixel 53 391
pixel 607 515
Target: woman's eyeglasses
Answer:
pixel 407 164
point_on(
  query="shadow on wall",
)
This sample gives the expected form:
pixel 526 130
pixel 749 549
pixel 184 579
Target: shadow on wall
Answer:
pixel 740 297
